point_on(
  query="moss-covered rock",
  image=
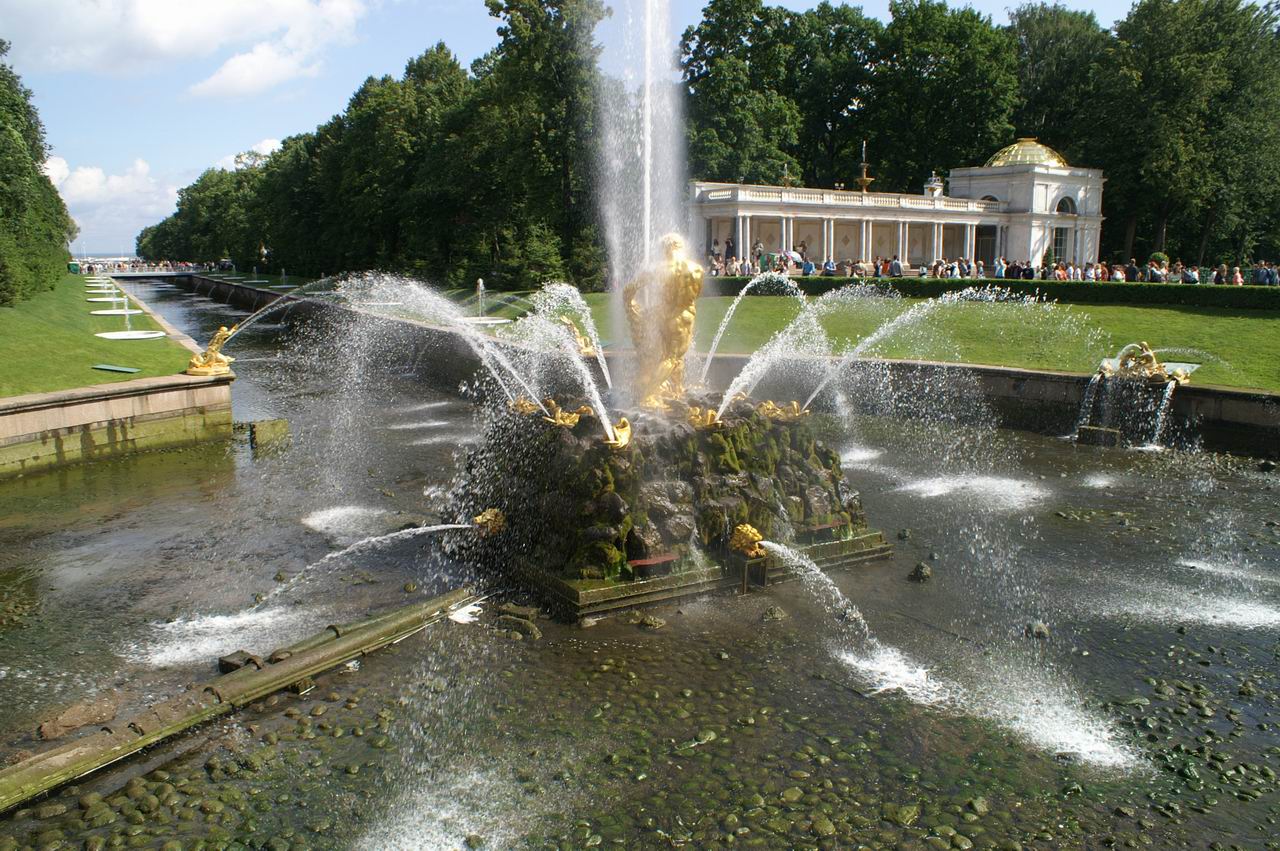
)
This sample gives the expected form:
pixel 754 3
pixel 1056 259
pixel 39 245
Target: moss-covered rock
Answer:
pixel 579 509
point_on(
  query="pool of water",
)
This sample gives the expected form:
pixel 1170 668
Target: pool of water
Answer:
pixel 1093 662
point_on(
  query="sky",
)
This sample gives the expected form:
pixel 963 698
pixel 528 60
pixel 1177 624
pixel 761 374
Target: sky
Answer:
pixel 140 96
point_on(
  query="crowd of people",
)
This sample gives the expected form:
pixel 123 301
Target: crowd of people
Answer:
pixel 96 267
pixel 724 261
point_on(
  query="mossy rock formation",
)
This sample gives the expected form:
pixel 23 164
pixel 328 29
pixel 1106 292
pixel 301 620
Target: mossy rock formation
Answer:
pixel 582 511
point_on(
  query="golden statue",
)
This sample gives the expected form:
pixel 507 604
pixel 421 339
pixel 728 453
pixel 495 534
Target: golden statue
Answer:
pixel 524 406
pixel 661 305
pixel 491 521
pixel 556 416
pixel 746 540
pixel 786 413
pixel 621 434
pixel 704 419
pixel 212 361
pixel 1139 362
pixel 585 348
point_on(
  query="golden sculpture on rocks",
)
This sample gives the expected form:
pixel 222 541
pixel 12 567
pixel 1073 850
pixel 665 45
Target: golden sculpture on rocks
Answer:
pixel 1140 363
pixel 559 417
pixel 585 347
pixel 212 361
pixel 783 413
pixel 621 434
pixel 705 419
pixel 522 405
pixel 746 540
pixel 661 306
pixel 491 521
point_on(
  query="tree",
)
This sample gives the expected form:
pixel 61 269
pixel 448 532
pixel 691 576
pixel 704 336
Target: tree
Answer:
pixel 830 80
pixel 35 228
pixel 1168 65
pixel 546 76
pixel 945 85
pixel 742 123
pixel 1244 146
pixel 1057 51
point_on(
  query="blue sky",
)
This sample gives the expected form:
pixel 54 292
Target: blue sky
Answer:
pixel 140 96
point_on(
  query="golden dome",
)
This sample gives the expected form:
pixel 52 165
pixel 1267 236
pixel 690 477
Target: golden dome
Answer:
pixel 1026 151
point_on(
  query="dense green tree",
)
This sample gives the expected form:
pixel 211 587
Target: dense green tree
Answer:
pixel 945 86
pixel 1183 81
pixel 1057 50
pixel 546 81
pixel 742 123
pixel 35 228
pixel 830 80
pixel 1244 146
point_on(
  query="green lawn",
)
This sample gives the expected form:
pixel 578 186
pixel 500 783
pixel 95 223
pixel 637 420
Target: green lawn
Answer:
pixel 47 343
pixel 1242 347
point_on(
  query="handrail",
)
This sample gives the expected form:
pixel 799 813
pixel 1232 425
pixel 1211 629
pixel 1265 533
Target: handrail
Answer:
pixel 718 193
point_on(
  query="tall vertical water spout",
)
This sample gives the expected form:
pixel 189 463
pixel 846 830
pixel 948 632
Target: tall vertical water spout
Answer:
pixel 642 171
pixel 641 157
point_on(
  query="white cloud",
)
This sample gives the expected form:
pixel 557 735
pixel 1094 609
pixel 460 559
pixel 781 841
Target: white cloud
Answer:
pixel 266 147
pixel 262 68
pixel 276 40
pixel 111 208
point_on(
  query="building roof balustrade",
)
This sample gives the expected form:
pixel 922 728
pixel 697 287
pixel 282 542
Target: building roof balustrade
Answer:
pixel 719 194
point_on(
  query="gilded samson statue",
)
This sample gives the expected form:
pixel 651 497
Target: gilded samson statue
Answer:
pixel 661 306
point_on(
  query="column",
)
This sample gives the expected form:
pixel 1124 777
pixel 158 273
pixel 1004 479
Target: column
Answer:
pixel 937 241
pixel 744 252
pixel 902 242
pixel 827 238
pixel 737 237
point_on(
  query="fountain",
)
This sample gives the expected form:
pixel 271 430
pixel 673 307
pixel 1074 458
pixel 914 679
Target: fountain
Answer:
pixel 734 725
pixel 212 361
pixel 597 524
pixel 1128 399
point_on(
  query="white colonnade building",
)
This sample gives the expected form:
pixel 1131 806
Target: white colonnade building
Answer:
pixel 1023 202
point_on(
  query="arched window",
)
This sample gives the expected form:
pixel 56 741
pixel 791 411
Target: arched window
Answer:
pixel 990 198
pixel 1066 205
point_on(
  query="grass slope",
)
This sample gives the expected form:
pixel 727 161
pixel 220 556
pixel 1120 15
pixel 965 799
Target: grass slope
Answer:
pixel 1241 348
pixel 47 343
